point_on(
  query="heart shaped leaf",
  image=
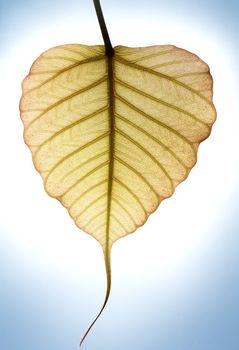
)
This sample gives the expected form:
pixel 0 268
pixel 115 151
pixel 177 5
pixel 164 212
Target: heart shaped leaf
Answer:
pixel 113 135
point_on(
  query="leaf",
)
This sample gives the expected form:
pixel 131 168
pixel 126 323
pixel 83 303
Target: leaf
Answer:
pixel 113 136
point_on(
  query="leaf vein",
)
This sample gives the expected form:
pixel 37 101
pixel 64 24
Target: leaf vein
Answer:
pixel 93 171
pixel 90 205
pixel 152 55
pixel 124 209
pixel 156 121
pixel 83 164
pixel 169 105
pixel 68 68
pixel 154 139
pixel 91 220
pixel 165 76
pixel 70 126
pixel 119 222
pixel 143 149
pixel 74 153
pixel 189 74
pixel 165 64
pixel 133 195
pixel 89 189
pixel 127 165
pixel 67 98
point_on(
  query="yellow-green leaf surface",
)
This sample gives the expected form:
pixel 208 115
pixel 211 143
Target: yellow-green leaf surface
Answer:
pixel 113 136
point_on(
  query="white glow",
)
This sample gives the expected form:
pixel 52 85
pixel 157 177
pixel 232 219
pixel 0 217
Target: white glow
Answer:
pixel 180 228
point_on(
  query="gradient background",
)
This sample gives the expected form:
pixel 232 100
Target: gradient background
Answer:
pixel 175 281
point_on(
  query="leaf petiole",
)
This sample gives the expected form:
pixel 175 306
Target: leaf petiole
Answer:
pixel 109 51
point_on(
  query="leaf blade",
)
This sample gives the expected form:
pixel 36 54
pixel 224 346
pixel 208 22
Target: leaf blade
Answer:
pixel 113 136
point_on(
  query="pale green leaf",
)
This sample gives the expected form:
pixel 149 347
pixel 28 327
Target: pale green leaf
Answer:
pixel 113 136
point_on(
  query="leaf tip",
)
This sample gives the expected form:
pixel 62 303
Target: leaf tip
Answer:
pixel 108 277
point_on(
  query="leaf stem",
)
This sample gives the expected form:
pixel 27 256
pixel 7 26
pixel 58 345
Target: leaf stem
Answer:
pixel 109 51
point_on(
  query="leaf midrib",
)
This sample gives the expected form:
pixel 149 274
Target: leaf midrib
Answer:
pixel 111 99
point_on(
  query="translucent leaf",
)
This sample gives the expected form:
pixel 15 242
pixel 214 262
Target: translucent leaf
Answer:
pixel 113 136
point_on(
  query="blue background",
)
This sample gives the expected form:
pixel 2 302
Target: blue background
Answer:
pixel 43 304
